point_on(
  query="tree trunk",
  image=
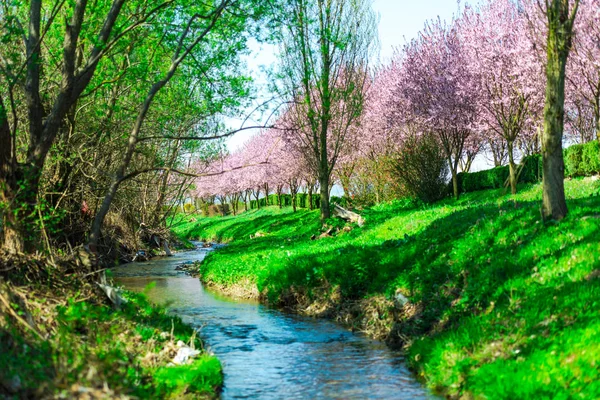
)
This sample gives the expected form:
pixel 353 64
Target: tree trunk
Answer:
pixel 512 168
pixel 294 202
pixel 293 192
pixel 324 186
pixel 309 188
pixel 455 183
pixel 279 192
pixel 12 240
pixel 453 168
pixel 597 119
pixel 560 26
pixel 256 196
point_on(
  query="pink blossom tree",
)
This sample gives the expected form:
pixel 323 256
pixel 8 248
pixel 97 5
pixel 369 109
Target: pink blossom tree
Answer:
pixel 583 73
pixel 437 90
pixel 507 72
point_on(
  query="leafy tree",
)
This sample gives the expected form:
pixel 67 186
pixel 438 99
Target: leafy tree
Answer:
pixel 326 46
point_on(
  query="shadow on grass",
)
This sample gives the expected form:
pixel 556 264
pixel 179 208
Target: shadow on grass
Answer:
pixel 454 267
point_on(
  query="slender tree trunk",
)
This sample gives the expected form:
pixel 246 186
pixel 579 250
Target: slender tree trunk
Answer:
pixel 266 194
pixel 511 168
pixel 309 188
pixel 12 238
pixel 294 201
pixel 597 119
pixel 257 197
pixel 453 165
pixel 560 26
pixel 324 187
pixel 279 192
pixel 293 192
pixel 455 184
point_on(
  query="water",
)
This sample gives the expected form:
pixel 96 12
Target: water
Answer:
pixel 268 354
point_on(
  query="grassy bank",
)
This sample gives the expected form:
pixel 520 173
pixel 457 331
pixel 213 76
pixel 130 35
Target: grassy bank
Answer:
pixel 61 339
pixel 500 304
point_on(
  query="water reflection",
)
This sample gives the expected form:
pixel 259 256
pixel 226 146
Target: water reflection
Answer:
pixel 268 354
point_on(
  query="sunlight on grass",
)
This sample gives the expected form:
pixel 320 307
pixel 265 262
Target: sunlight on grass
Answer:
pixel 507 303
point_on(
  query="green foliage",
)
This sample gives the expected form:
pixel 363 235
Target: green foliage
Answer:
pixel 487 179
pixel 532 169
pixel 507 306
pixel 286 199
pixel 95 345
pixel 342 201
pixel 422 169
pixel 201 377
pixel 582 159
pixel 573 157
pixel 495 178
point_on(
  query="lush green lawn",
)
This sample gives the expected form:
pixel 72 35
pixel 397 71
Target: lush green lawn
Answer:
pixel 506 306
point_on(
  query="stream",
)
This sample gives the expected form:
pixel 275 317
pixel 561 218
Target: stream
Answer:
pixel 269 354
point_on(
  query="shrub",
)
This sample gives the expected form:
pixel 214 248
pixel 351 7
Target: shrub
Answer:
pixel 487 179
pixel 422 168
pixel 590 159
pixel 530 172
pixel 582 159
pixel 573 157
pixel 532 169
pixel 342 201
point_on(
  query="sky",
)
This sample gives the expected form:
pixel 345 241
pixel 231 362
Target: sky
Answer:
pixel 399 22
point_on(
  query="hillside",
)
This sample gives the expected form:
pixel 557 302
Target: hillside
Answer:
pixel 499 303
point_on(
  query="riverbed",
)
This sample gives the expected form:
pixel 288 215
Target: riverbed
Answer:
pixel 269 354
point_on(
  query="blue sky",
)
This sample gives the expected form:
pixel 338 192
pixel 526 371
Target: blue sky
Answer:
pixel 399 21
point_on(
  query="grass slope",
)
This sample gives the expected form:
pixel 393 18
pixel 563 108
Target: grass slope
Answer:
pixel 503 306
pixel 86 349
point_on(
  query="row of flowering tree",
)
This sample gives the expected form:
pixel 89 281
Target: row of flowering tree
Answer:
pixel 474 85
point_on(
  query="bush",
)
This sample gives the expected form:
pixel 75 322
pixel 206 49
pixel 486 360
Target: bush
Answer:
pixel 487 179
pixel 582 159
pixel 422 169
pixel 341 201
pixel 573 157
pixel 590 160
pixel 532 169
pixel 495 178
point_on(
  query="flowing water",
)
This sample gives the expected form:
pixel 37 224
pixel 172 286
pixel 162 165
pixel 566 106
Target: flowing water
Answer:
pixel 268 354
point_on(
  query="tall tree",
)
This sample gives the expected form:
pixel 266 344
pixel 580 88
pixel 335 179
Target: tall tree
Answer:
pixel 438 90
pixel 560 17
pixel 501 57
pixel 88 37
pixel 583 78
pixel 325 53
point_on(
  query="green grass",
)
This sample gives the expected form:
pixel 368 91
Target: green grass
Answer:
pixel 93 347
pixel 507 305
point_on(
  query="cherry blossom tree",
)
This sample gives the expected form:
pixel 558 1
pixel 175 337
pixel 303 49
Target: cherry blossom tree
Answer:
pixel 325 52
pixel 438 90
pixel 583 73
pixel 501 58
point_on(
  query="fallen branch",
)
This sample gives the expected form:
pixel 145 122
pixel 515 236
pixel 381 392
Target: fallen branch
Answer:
pixel 349 216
